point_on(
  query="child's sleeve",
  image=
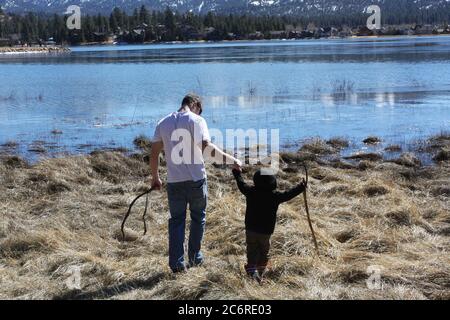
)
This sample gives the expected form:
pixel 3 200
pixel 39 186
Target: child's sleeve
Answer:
pixel 243 187
pixel 291 194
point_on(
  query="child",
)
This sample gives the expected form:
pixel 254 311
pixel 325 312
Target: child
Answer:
pixel 260 217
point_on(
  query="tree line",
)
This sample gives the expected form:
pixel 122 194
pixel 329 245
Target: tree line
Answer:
pixel 143 25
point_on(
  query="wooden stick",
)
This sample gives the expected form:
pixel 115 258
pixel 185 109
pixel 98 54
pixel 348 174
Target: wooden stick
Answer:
pixel 122 228
pixel 305 198
pixel 145 213
pixel 310 223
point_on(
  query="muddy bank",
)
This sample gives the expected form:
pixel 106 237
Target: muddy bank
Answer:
pixel 65 213
pixel 418 152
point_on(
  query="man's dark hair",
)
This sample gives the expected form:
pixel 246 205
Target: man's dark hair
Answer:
pixel 192 99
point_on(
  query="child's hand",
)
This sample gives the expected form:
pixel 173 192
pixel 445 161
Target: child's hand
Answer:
pixel 237 167
pixel 304 183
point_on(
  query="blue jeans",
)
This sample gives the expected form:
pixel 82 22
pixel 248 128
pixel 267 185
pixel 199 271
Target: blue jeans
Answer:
pixel 182 194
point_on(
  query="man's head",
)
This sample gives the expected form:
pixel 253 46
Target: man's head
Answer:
pixel 193 102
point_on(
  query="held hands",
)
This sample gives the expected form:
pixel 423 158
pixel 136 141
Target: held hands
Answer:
pixel 237 167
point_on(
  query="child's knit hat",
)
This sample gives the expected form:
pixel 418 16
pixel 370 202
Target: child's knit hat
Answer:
pixel 265 180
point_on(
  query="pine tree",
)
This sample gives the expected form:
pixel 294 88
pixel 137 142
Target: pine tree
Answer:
pixel 169 21
pixel 144 15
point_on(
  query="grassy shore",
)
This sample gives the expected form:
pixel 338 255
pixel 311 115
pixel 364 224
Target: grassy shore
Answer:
pixel 63 213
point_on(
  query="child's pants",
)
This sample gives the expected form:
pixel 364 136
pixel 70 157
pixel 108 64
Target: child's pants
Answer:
pixel 258 246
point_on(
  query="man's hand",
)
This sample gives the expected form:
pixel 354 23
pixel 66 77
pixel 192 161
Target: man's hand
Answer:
pixel 212 152
pixel 156 183
pixel 154 164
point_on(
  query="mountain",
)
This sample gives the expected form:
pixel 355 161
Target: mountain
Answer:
pixel 278 7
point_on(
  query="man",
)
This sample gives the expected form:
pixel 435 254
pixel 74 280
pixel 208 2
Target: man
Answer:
pixel 185 138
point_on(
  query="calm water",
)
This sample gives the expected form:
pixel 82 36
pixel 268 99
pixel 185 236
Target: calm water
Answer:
pixel 395 88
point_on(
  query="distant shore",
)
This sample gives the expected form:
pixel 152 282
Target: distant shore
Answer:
pixel 107 43
pixel 59 49
pixel 33 50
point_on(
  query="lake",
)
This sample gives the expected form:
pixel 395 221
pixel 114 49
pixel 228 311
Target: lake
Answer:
pixel 395 88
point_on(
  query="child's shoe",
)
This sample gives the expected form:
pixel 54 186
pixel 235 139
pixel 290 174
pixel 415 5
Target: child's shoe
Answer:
pixel 261 269
pixel 252 272
pixel 250 269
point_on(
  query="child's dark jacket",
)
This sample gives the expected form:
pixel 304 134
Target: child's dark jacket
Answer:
pixel 263 201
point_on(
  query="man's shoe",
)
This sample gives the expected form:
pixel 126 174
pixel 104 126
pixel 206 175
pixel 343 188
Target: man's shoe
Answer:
pixel 194 264
pixel 179 270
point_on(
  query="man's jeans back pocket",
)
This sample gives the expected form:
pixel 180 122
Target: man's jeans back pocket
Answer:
pixel 200 191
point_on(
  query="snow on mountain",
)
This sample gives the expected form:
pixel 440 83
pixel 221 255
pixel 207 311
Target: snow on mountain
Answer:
pixel 223 6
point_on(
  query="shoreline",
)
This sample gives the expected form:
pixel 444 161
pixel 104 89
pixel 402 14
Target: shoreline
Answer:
pixel 337 151
pixel 60 49
pixel 33 50
pixel 109 44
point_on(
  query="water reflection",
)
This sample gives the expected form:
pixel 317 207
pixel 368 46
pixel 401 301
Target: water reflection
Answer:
pixel 380 99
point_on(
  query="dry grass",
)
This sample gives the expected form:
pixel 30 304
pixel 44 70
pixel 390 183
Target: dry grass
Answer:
pixel 62 213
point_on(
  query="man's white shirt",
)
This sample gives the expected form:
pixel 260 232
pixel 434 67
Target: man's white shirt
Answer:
pixel 183 134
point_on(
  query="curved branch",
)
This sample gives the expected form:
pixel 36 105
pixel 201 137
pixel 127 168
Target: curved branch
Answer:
pixel 129 211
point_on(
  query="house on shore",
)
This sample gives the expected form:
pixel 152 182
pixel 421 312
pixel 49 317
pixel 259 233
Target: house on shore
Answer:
pixel 258 35
pixel 10 40
pixel 425 29
pixel 102 37
pixel 190 33
pixel 5 42
pixel 278 34
pixel 363 32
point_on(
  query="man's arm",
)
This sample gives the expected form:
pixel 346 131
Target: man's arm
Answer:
pixel 154 164
pixel 210 150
